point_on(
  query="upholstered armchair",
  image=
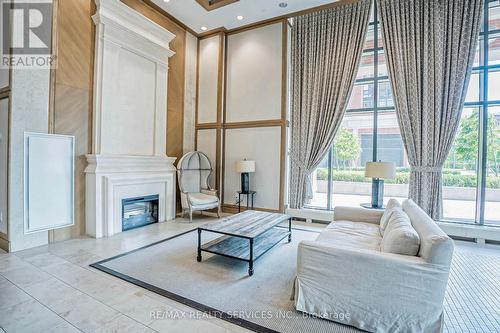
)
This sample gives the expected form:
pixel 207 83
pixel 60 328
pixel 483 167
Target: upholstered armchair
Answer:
pixel 193 171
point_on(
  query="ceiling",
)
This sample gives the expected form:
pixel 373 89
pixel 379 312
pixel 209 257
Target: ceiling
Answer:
pixel 195 16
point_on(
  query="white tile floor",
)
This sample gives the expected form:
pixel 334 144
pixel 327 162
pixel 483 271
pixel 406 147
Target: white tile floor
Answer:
pixel 52 288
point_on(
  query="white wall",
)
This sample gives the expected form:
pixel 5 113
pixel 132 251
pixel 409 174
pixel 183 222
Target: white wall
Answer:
pixel 191 54
pixel 207 143
pixel 4 136
pixel 254 60
pixel 261 145
pixel 208 79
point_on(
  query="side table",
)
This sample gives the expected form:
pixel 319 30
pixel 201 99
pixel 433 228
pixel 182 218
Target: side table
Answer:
pixel 249 194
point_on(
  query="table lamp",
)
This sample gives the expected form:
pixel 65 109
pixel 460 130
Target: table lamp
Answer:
pixel 245 167
pixel 379 171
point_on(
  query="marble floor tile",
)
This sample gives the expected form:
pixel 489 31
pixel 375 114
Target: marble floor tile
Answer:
pixel 88 314
pixel 139 306
pixel 24 254
pixel 44 260
pixel 25 276
pixel 64 327
pixel 4 282
pixel 124 324
pixel 27 317
pixel 11 262
pixel 11 295
pixel 55 294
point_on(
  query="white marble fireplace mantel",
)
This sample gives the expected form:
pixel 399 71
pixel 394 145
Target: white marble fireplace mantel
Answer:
pixel 112 178
pixel 129 129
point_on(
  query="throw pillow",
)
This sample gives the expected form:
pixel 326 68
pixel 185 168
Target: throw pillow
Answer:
pixel 393 203
pixel 399 236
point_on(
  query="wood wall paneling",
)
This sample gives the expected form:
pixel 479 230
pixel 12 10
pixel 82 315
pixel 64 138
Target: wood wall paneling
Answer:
pixel 72 93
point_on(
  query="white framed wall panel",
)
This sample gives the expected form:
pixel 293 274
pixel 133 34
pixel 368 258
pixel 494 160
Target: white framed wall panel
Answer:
pixel 263 146
pixel 208 76
pixel 207 143
pixel 254 74
pixel 4 141
pixel 49 181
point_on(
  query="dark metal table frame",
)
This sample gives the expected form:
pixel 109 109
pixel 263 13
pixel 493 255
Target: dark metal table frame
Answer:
pixel 248 194
pixel 251 240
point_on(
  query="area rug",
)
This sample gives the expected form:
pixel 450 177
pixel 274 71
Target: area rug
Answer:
pixel 221 286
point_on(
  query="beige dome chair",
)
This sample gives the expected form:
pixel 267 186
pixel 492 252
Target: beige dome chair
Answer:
pixel 193 171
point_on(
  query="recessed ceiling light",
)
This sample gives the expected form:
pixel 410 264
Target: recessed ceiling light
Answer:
pixel 204 28
pixel 239 17
pixel 283 4
pixel 166 0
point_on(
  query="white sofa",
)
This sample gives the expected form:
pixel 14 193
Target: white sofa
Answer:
pixel 344 276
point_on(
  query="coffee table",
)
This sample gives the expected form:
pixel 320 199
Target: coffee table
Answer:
pixel 246 236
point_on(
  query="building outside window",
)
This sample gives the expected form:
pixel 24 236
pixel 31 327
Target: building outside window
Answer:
pixel 370 132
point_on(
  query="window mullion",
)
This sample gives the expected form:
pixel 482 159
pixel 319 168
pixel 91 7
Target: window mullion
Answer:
pixel 483 124
pixel 375 81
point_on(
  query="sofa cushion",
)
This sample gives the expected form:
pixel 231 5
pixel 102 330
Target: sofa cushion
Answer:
pixel 393 203
pixel 359 235
pixel 435 246
pixel 202 199
pixel 399 236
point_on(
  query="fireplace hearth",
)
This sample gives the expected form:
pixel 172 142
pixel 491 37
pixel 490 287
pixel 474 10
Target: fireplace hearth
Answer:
pixel 140 211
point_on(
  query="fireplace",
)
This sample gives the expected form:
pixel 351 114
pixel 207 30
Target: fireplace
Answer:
pixel 138 212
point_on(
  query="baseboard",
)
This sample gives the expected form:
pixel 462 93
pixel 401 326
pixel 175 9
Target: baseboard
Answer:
pixel 4 244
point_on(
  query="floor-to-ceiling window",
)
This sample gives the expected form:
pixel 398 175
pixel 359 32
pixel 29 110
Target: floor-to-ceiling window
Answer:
pixel 474 190
pixel 370 132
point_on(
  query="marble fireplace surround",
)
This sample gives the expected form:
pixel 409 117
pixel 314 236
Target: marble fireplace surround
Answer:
pixel 110 179
pixel 129 118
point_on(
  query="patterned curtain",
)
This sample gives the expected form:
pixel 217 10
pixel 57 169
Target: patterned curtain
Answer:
pixel 430 47
pixel 326 51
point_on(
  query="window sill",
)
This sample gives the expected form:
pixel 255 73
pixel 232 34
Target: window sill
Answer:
pixel 453 229
pixel 479 232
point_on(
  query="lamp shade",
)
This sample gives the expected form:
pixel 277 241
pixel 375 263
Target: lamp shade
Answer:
pixel 381 170
pixel 245 166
